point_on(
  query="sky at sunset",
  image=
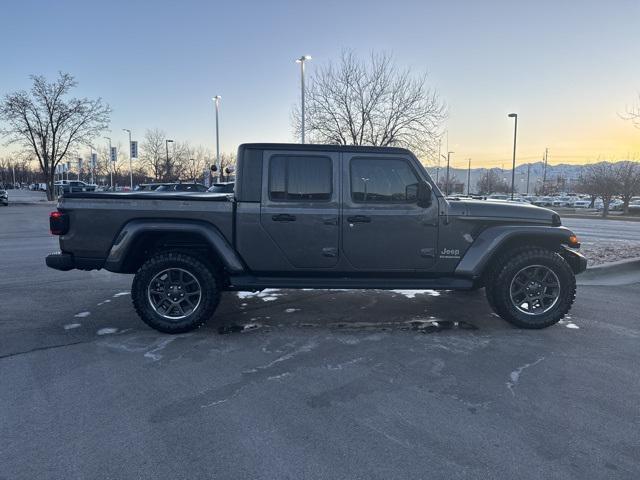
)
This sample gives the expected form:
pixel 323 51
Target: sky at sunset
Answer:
pixel 568 68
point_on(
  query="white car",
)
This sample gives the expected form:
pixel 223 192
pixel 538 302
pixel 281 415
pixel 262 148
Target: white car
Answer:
pixel 581 204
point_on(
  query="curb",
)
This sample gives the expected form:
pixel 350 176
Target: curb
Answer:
pixel 620 272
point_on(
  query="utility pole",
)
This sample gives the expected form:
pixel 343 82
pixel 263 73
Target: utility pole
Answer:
pixel 216 99
pixel 439 153
pixel 513 165
pixel 544 171
pixel 130 164
pixel 302 61
pixel 168 166
pixel 446 188
pixel 109 162
pixel 469 178
pixel 528 173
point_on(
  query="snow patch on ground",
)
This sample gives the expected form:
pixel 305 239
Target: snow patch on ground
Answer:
pixel 514 377
pixel 267 295
pixel 82 314
pixel 71 326
pixel 413 293
pixel 291 310
pixel 572 325
pixel 121 294
pixel 107 331
pixel 104 301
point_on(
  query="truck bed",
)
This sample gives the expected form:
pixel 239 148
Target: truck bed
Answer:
pixel 97 218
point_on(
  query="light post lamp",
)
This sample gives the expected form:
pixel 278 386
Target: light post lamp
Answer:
pixel 216 100
pixel 109 163
pixel 302 61
pixel 167 166
pixel 130 164
pixel 513 166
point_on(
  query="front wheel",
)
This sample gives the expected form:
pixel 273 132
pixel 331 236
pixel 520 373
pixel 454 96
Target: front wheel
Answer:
pixel 174 292
pixel 534 289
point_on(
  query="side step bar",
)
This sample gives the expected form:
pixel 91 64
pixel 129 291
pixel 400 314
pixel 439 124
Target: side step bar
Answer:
pixel 249 282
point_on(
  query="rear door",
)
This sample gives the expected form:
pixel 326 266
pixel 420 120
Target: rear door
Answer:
pixel 383 227
pixel 300 207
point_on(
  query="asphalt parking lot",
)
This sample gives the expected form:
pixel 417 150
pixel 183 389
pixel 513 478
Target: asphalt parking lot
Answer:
pixel 306 384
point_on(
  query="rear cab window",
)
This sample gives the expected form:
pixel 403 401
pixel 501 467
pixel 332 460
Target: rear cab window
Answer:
pixel 300 178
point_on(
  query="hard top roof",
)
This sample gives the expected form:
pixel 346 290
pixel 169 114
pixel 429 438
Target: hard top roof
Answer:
pixel 325 148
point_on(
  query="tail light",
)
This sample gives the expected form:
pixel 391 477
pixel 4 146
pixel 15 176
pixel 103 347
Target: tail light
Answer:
pixel 58 223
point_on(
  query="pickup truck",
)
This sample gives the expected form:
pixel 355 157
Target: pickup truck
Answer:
pixel 319 216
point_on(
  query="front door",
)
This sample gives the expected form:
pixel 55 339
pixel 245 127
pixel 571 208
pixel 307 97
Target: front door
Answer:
pixel 383 227
pixel 300 207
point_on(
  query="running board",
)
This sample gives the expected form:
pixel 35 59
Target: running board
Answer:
pixel 248 282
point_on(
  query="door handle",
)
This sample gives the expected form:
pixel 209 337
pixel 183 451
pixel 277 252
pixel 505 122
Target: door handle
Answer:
pixel 359 219
pixel 330 221
pixel 284 217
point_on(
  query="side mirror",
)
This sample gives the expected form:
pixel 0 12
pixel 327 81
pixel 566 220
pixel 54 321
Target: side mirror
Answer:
pixel 424 194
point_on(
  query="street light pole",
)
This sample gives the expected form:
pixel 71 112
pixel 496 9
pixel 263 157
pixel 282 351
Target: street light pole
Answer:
pixel 302 61
pixel 130 164
pixel 513 166
pixel 446 188
pixel 166 146
pixel 469 178
pixel 93 166
pixel 109 163
pixel 216 100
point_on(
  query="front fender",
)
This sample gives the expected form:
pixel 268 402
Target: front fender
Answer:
pixel 490 241
pixel 133 229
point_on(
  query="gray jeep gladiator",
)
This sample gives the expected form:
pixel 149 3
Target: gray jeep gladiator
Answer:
pixel 319 216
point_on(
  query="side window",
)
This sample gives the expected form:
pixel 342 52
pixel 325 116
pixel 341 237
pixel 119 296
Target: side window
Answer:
pixel 298 177
pixel 383 180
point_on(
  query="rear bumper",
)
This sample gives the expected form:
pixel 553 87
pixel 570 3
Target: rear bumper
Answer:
pixel 60 261
pixel 66 261
pixel 576 260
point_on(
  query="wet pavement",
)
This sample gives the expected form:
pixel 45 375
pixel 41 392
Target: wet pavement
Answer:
pixel 306 384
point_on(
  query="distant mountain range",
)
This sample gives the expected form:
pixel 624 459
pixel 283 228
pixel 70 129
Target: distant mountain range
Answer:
pixel 568 171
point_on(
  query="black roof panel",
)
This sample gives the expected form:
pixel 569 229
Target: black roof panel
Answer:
pixel 330 148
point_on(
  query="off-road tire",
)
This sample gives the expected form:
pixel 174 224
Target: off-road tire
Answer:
pixel 208 282
pixel 499 285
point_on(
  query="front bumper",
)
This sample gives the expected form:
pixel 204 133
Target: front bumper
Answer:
pixel 576 260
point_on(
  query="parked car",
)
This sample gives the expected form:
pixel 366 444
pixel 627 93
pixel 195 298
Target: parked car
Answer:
pixel 4 198
pixel 634 207
pixel 181 187
pixel 149 187
pixel 319 216
pixel 544 202
pixel 562 202
pixel 223 187
pixel 70 186
pixel 581 204
pixel 498 196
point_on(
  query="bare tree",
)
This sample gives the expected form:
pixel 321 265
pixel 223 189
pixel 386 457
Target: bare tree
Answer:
pixel 153 152
pixel 44 122
pixel 491 182
pixel 628 174
pixel 372 103
pixel 195 162
pixel 600 180
pixel 632 114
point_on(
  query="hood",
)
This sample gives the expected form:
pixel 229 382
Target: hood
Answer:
pixel 502 210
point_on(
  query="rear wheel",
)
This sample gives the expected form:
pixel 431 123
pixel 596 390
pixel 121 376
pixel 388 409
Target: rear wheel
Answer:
pixel 174 292
pixel 535 288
